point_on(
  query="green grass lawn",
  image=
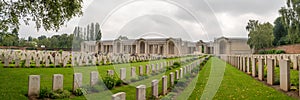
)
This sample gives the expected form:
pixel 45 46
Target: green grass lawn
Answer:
pixel 235 85
pixel 14 81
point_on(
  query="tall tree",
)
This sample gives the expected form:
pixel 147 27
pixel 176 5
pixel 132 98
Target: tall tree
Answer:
pixel 260 35
pixel 49 14
pixel 92 32
pixel 98 32
pixel 88 33
pixel 280 32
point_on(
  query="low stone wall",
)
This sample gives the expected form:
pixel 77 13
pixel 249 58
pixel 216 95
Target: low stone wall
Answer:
pixel 289 49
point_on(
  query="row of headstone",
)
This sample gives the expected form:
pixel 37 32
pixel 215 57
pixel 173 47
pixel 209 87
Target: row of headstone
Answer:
pixel 57 82
pixel 141 89
pixel 245 63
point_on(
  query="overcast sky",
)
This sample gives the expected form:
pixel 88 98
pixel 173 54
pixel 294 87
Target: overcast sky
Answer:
pixel 191 20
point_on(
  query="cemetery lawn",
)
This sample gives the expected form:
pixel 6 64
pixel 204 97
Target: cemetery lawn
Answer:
pixel 14 81
pixel 235 85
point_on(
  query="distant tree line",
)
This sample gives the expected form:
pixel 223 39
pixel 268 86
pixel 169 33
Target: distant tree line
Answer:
pixel 91 32
pixel 286 29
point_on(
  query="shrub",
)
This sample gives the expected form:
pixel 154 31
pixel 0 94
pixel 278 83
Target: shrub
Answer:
pixel 119 82
pixel 110 82
pixel 79 92
pixel 45 93
pixel 176 64
pixel 181 83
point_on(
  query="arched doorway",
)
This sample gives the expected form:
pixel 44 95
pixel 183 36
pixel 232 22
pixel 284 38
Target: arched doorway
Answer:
pixel 118 47
pixel 142 47
pixel 222 47
pixel 171 47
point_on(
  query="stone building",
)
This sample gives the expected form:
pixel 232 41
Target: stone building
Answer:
pixel 157 46
pixel 168 46
pixel 230 46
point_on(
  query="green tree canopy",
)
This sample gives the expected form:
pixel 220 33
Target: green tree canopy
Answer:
pixel 49 14
pixel 260 34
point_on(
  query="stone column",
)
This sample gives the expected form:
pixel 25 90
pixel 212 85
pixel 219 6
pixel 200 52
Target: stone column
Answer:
pixel 270 71
pixel 164 85
pixel 57 82
pixel 77 81
pixel 284 65
pixel 155 88
pixel 33 85
pixel 119 96
pixel 141 92
pixel 181 73
pixel 261 64
pixel 244 64
pixel 94 78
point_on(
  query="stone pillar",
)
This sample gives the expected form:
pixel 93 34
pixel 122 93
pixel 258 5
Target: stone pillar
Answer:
pixel 253 66
pixel 155 88
pixel 122 73
pixel 57 82
pixel 284 74
pixel 141 92
pixel 94 78
pixel 270 71
pixel 119 96
pixel 261 64
pixel 33 85
pixel 77 81
pixel 133 71
pixel 171 79
pixel 164 85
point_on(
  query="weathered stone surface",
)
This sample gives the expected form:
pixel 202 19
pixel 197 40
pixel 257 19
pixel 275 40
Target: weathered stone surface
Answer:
pixel 270 71
pixel 253 67
pixel 94 77
pixel 77 81
pixel 261 64
pixel 58 82
pixel 284 65
pixel 181 73
pixel 177 74
pixel 34 85
pixel 119 96
pixel 133 71
pixel 172 78
pixel 141 92
pixel 122 73
pixel 141 70
pixel 164 85
pixel 155 88
pixel 147 69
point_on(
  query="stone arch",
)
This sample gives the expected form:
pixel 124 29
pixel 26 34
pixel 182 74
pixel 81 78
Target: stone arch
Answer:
pixel 142 47
pixel 222 47
pixel 171 47
pixel 118 47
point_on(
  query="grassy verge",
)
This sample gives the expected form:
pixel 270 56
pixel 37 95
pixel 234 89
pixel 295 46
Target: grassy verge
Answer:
pixel 235 85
